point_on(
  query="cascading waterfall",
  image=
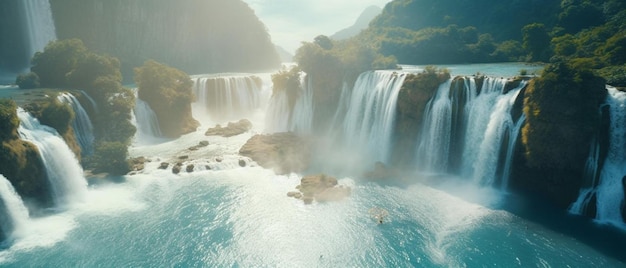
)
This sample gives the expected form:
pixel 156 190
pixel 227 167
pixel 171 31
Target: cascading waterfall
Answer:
pixel 278 113
pixel 62 167
pixel 371 114
pixel 91 101
pixel 227 98
pixel 14 214
pixel 302 118
pixel 433 150
pixel 83 129
pixel 281 117
pixel 146 120
pixel 610 192
pixel 473 127
pixel 40 24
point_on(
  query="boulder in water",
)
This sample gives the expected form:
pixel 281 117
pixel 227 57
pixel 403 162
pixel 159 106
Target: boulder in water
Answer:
pixel 164 165
pixel 321 188
pixel 242 163
pixel 232 129
pixel 284 152
pixel 189 168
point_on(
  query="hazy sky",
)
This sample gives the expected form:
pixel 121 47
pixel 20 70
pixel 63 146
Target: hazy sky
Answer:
pixel 293 21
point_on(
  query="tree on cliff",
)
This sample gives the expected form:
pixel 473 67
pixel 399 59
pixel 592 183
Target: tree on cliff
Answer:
pixel 168 92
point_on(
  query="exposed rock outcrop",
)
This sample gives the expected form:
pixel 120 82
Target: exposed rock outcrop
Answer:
pixel 284 152
pixel 232 129
pixel 320 188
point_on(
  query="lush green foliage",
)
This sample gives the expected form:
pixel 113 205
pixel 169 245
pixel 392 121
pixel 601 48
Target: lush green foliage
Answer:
pixel 51 112
pixel 587 33
pixel 8 119
pixel 111 157
pixel 20 162
pixel 27 81
pixel 168 92
pixel 287 80
pixel 69 64
pixel 561 110
pixel 57 60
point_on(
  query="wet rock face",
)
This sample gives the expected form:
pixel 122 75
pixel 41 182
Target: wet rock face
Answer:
pixel 283 152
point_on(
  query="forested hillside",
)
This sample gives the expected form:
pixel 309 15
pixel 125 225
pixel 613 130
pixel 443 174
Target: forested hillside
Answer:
pixel 196 36
pixel 592 34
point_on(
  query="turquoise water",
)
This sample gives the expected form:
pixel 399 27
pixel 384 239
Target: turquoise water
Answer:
pixel 243 218
pixel 508 69
pixel 232 216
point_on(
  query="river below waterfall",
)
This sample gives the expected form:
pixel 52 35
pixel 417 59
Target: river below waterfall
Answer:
pixel 233 216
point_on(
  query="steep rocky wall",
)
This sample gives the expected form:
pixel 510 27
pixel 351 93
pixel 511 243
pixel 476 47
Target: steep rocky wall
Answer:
pixel 193 35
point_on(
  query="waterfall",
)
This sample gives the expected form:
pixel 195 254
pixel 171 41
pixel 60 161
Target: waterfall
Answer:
pixel 39 23
pixel 371 114
pixel 27 28
pixel 145 120
pixel 13 213
pixel 433 150
pixel 278 113
pixel 472 128
pixel 303 110
pixel 91 101
pixel 83 129
pixel 62 167
pixel 227 98
pixel 281 118
pixel 610 192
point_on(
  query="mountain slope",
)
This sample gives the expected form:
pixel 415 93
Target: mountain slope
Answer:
pixel 361 23
pixel 196 36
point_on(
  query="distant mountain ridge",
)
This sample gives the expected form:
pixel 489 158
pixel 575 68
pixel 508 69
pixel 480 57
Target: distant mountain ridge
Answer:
pixel 361 23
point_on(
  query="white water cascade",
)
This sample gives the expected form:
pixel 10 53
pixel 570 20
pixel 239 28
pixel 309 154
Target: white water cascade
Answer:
pixel 371 115
pixel 610 192
pixel 39 24
pixel 471 128
pixel 146 121
pixel 14 214
pixel 303 110
pixel 64 172
pixel 224 98
pixel 83 129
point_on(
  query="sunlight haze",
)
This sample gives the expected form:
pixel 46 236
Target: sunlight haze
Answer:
pixel 291 22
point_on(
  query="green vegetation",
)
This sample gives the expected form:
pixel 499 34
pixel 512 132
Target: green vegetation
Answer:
pixel 51 112
pixel 21 163
pixel 168 92
pixel 591 34
pixel 287 80
pixel 69 64
pixel 27 81
pixel 111 157
pixel 561 108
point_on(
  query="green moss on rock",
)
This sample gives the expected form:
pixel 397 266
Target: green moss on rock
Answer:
pixel 168 92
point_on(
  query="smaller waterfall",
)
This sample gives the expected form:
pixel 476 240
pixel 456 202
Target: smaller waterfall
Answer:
pixel 471 127
pixel 227 98
pixel 83 129
pixel 302 118
pixel 610 192
pixel 433 150
pixel 370 118
pixel 146 121
pixel 62 167
pixel 278 113
pixel 14 214
pixel 91 101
